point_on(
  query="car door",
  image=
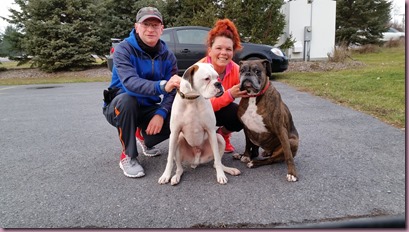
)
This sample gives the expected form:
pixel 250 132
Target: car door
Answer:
pixel 168 38
pixel 190 46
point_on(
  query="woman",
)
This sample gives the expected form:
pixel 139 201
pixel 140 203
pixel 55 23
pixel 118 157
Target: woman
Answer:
pixel 222 41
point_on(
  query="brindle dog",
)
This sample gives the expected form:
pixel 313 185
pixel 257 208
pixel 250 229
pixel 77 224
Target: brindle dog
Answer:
pixel 267 120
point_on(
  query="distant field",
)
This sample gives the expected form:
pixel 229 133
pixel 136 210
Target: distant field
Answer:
pixel 376 88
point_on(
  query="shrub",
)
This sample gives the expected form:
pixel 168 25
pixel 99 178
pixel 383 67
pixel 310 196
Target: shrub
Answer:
pixel 368 48
pixel 394 43
pixel 339 54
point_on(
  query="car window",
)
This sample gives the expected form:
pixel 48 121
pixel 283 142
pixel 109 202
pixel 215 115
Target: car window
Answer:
pixel 192 36
pixel 166 37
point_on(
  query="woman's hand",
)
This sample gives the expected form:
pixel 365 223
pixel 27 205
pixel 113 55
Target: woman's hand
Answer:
pixel 236 92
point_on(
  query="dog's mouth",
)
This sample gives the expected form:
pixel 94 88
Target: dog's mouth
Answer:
pixel 219 89
pixel 249 86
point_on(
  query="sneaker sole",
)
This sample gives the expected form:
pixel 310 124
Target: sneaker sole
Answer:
pixel 128 175
pixel 144 151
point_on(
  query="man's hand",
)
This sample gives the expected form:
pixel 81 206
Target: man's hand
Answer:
pixel 155 125
pixel 173 82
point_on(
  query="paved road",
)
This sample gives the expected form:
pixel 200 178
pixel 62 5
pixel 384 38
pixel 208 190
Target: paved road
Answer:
pixel 59 164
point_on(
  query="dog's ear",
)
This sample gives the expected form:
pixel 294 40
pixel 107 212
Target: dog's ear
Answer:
pixel 188 75
pixel 267 65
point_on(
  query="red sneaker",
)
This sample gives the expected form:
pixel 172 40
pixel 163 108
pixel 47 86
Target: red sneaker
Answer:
pixel 138 135
pixel 130 167
pixel 123 156
pixel 229 148
pixel 147 151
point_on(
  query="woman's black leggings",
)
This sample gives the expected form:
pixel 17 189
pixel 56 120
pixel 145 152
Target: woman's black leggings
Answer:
pixel 227 117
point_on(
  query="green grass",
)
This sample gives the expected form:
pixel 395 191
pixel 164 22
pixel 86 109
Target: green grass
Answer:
pixel 13 65
pixel 54 80
pixel 376 88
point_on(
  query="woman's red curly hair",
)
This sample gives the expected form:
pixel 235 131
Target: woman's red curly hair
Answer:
pixel 225 28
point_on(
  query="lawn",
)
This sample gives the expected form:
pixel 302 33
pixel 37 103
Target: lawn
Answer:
pixel 376 88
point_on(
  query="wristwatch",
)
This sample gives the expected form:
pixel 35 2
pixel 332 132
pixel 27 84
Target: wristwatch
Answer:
pixel 162 85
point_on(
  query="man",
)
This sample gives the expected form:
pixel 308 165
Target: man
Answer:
pixel 144 69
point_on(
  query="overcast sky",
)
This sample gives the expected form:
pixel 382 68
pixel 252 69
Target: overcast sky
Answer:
pixel 399 8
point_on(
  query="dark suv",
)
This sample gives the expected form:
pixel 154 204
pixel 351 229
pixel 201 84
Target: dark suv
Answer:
pixel 188 43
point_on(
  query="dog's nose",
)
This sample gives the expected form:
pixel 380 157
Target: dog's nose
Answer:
pixel 218 84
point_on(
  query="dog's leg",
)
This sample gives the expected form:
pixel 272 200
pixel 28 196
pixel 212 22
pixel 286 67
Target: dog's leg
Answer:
pixel 274 157
pixel 222 144
pixel 179 168
pixel 288 155
pixel 250 152
pixel 173 139
pixel 221 177
pixel 282 153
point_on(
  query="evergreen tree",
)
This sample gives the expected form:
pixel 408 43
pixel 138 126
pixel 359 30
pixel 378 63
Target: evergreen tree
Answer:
pixel 361 22
pixel 259 21
pixel 59 34
pixel 62 34
pixel 3 52
pixel 191 13
pixel 10 45
pixel 116 20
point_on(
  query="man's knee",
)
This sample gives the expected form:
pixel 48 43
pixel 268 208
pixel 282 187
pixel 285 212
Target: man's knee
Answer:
pixel 125 102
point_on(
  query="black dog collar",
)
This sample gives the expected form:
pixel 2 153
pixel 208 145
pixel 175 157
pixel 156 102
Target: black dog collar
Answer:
pixel 186 97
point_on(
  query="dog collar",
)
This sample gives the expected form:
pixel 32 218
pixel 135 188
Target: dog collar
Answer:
pixel 262 92
pixel 183 96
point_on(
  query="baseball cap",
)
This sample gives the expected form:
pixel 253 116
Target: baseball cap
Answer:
pixel 148 12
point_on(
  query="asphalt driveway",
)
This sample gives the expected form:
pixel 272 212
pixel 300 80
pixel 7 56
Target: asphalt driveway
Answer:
pixel 59 164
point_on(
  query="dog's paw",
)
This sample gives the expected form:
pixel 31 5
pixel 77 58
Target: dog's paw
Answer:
pixel 231 171
pixel 164 179
pixel 175 180
pixel 245 159
pixel 237 156
pixel 222 179
pixel 291 178
pixel 265 154
pixel 250 164
pixel 235 172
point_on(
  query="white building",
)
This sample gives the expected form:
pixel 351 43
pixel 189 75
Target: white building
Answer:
pixel 311 23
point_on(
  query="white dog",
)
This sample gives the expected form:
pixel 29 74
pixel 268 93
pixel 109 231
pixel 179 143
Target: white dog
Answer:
pixel 193 137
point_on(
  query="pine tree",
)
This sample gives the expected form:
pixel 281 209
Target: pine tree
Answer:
pixel 59 34
pixel 10 44
pixel 259 21
pixel 361 22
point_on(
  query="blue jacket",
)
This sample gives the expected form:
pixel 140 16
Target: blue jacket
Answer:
pixel 132 67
